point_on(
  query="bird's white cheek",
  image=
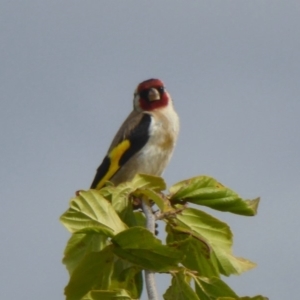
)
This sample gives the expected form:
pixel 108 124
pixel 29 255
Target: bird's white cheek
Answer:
pixel 136 103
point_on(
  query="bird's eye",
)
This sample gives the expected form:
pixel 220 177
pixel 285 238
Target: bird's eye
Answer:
pixel 144 94
pixel 161 89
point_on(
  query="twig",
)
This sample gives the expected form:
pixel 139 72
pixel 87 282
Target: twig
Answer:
pixel 160 216
pixel 149 276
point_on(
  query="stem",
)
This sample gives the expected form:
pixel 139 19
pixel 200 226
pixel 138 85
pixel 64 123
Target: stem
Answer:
pixel 149 276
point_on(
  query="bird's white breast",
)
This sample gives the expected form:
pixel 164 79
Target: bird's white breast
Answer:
pixel 163 131
pixel 154 156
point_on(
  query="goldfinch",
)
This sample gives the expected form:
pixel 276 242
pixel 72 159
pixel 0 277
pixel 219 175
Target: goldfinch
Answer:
pixel 146 139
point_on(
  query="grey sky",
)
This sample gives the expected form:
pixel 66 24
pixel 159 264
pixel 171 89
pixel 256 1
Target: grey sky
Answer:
pixel 68 72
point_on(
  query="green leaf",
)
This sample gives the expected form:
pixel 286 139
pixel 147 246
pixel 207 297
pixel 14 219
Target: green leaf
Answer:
pixel 145 181
pixel 129 278
pixel 126 276
pixel 81 244
pixel 252 298
pixel 243 298
pixel 180 289
pixel 90 212
pixel 108 295
pixel 138 246
pixel 119 197
pixel 206 191
pixel 163 205
pixel 140 218
pixel 94 271
pixel 212 288
pixel 218 236
pixel 196 257
pixel 188 232
pixel 112 192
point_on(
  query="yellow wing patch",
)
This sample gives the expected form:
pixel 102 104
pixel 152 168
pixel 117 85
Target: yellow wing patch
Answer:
pixel 114 157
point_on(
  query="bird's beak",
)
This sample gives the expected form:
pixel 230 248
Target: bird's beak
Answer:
pixel 153 94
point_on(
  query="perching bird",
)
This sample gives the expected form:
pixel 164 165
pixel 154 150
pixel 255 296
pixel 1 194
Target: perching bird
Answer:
pixel 146 139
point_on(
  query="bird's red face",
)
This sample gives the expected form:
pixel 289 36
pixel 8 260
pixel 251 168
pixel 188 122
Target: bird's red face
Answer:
pixel 152 95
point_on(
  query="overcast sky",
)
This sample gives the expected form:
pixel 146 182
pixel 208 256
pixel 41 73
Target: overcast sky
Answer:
pixel 68 70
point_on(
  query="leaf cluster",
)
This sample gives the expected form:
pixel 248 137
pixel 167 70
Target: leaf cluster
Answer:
pixel 110 246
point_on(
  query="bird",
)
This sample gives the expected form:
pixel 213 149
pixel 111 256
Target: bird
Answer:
pixel 146 139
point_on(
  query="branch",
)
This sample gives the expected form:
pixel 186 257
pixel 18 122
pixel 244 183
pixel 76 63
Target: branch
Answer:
pixel 149 276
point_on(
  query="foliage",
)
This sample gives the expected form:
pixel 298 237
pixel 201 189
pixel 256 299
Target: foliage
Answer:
pixel 110 246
